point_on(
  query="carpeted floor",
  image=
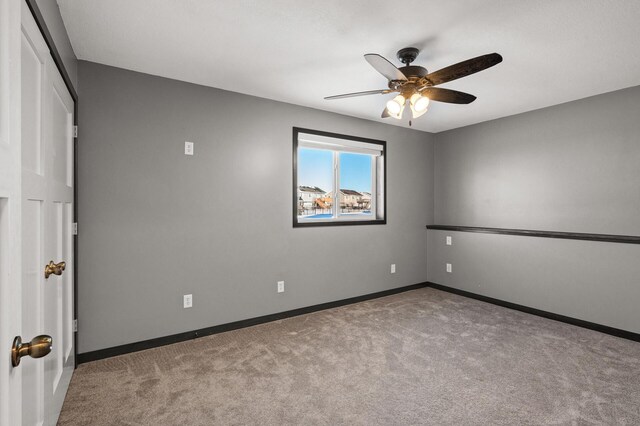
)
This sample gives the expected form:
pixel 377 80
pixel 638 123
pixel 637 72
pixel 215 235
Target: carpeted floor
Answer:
pixel 419 357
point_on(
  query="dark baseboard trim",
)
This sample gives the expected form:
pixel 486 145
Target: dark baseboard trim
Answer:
pixel 608 238
pixel 557 317
pixel 189 335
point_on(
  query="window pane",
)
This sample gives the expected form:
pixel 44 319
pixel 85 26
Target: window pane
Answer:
pixel 315 183
pixel 355 185
pixel 339 179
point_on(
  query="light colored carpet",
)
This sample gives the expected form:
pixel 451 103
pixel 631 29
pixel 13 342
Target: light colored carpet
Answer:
pixel 419 357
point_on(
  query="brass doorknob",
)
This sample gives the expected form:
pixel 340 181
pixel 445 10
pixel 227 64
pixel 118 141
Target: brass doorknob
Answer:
pixel 54 268
pixel 38 347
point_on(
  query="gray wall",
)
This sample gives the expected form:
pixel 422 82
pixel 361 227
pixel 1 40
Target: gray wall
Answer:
pixel 572 167
pixel 51 13
pixel 156 224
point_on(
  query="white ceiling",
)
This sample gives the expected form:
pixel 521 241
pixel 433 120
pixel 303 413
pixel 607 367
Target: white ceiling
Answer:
pixel 299 51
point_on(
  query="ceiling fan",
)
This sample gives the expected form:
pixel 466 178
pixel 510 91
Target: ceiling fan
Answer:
pixel 416 85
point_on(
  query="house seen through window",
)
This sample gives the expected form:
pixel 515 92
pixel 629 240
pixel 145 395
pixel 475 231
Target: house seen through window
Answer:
pixel 338 179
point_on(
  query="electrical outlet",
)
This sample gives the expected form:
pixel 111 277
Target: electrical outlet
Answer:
pixel 280 286
pixel 449 268
pixel 393 268
pixel 449 240
pixel 187 300
pixel 188 148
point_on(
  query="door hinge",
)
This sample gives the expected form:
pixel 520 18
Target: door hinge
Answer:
pixel 75 325
pixel 74 228
pixel 75 131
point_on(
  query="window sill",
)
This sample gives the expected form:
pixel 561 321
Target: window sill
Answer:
pixel 309 224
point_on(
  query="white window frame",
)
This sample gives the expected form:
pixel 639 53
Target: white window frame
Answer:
pixel 336 143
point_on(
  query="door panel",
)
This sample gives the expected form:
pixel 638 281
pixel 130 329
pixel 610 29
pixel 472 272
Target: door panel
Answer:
pixel 62 120
pixel 32 325
pixel 10 209
pixel 68 306
pixel 36 212
pixel 54 302
pixel 57 313
pixel 47 120
pixel 32 74
pixel 33 57
pixel 59 296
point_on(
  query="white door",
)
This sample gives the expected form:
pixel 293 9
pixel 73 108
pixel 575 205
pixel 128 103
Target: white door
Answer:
pixel 45 167
pixel 10 227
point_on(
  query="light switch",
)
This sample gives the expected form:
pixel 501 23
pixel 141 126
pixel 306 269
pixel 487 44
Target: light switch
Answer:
pixel 188 148
pixel 187 301
pixel 448 240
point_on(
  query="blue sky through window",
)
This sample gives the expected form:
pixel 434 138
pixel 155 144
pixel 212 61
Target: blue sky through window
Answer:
pixel 315 168
pixel 355 172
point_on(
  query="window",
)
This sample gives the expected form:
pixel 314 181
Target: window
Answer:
pixel 337 179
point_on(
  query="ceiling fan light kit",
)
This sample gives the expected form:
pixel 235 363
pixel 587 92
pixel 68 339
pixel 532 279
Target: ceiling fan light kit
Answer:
pixel 419 104
pixel 395 106
pixel 416 85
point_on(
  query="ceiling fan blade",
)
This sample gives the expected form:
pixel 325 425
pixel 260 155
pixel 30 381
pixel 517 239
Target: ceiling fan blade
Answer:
pixel 351 95
pixel 384 67
pixel 385 113
pixel 464 68
pixel 439 94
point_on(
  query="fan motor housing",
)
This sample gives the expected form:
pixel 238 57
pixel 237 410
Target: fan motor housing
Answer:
pixel 413 71
pixel 414 79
